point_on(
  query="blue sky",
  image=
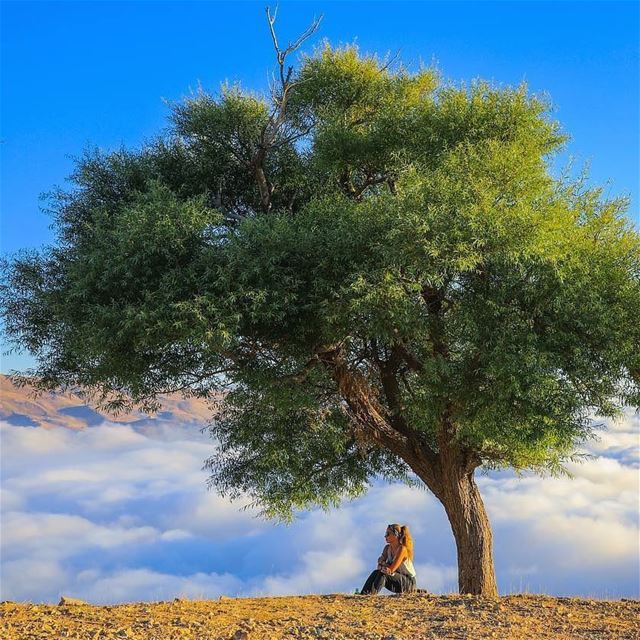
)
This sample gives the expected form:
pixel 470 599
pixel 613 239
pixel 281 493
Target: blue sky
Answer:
pixel 82 74
pixel 77 74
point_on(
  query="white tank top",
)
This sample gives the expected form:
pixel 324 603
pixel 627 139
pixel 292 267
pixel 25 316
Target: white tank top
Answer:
pixel 406 567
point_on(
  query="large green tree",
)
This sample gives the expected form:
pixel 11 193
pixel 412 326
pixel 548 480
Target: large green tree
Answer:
pixel 378 269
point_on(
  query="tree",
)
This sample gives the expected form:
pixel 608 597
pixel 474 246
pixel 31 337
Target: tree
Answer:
pixel 379 270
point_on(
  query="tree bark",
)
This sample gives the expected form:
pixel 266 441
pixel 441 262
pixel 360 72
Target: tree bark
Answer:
pixel 463 503
pixel 257 165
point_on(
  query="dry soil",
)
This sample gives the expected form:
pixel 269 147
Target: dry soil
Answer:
pixel 329 617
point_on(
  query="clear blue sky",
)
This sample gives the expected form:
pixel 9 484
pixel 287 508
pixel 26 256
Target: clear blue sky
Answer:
pixel 78 74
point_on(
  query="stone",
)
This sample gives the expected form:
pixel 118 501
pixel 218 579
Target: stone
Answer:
pixel 248 625
pixel 64 600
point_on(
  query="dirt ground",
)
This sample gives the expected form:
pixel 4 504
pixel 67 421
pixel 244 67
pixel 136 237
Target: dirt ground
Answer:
pixel 328 617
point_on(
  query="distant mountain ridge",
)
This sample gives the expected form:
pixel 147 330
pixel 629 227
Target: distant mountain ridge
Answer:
pixel 19 407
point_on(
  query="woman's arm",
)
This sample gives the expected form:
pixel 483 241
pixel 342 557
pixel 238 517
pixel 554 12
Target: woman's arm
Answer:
pixel 382 560
pixel 397 561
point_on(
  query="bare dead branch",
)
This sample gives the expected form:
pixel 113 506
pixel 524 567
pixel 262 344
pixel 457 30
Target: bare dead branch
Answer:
pixel 390 61
pixel 271 131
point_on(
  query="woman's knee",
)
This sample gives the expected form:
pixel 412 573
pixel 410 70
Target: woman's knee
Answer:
pixel 409 585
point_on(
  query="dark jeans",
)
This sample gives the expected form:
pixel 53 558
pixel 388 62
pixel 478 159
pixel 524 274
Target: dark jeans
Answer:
pixel 398 583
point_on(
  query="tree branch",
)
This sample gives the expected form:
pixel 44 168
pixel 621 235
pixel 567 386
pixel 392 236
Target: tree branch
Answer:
pixel 390 431
pixel 270 134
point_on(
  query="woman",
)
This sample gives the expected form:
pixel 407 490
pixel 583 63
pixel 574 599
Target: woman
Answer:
pixel 395 565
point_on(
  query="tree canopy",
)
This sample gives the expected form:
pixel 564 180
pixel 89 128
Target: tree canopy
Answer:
pixel 362 261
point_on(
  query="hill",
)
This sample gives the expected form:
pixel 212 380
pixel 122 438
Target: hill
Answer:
pixel 21 408
pixel 330 617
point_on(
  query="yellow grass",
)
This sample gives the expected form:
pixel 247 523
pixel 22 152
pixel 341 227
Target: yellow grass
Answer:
pixel 329 617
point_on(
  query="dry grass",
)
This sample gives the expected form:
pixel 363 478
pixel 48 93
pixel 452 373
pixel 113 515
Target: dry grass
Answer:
pixel 329 617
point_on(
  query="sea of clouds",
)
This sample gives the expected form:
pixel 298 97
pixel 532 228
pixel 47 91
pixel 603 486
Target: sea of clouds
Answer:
pixel 117 513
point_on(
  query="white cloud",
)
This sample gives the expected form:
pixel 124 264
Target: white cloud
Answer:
pixel 145 585
pixel 101 465
pixel 580 539
pixel 207 514
pixel 120 513
pixel 176 534
pixel 318 572
pixel 619 438
pixel 10 500
pixel 439 578
pixel 62 535
pixel 33 579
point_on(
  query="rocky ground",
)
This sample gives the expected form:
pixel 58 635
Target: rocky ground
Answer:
pixel 329 617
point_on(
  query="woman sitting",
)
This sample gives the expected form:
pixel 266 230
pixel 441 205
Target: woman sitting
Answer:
pixel 395 565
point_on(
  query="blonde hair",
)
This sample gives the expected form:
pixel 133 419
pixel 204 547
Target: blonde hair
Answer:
pixel 405 538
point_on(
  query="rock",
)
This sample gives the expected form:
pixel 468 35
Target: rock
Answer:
pixel 68 601
pixel 247 625
pixel 240 634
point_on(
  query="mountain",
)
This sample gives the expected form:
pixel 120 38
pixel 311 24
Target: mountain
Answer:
pixel 20 407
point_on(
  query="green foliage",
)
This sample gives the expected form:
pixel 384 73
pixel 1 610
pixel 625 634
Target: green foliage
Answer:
pixel 289 445
pixel 402 214
pixel 363 114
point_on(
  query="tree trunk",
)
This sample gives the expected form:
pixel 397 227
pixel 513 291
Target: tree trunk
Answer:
pixel 471 529
pixel 448 473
